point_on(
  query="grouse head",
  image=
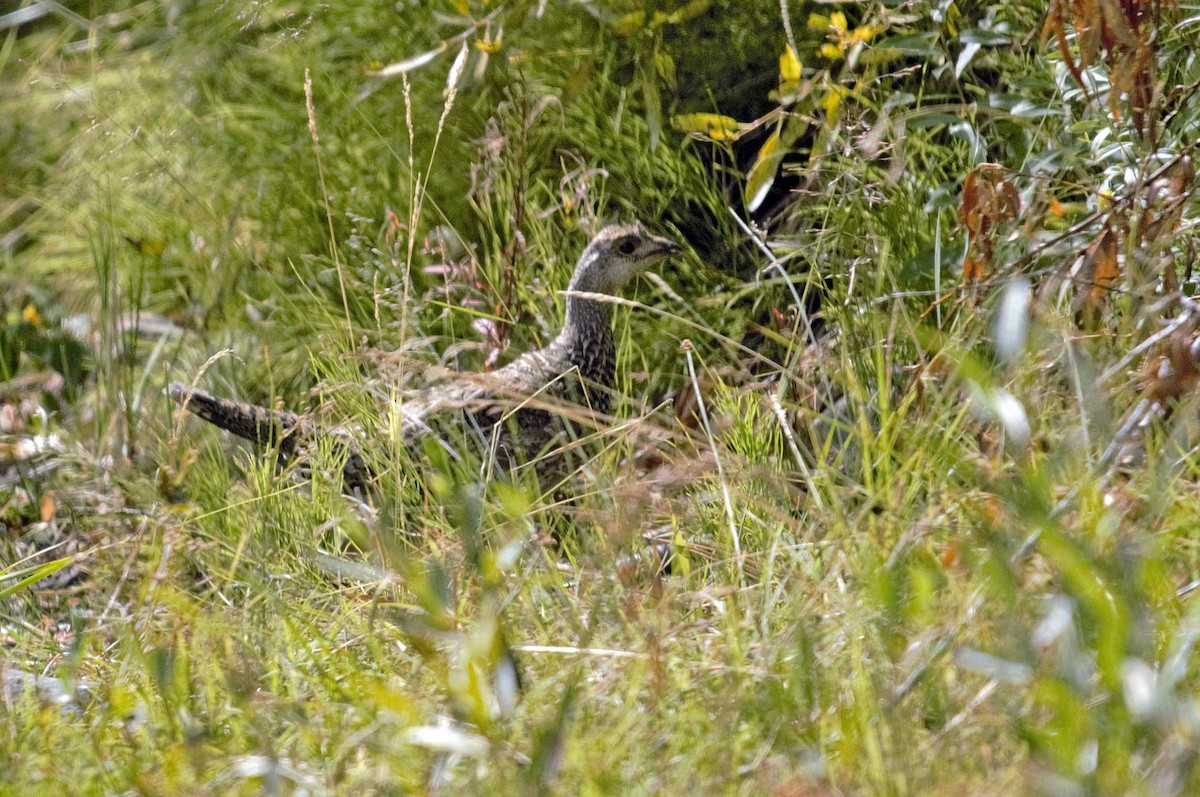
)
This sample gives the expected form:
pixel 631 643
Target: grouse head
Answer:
pixel 616 255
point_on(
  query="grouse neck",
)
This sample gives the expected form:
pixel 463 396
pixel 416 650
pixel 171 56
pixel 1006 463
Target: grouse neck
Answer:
pixel 586 340
pixel 586 316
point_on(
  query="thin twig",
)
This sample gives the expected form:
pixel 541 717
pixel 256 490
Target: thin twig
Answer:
pixel 791 441
pixel 604 652
pixel 1137 350
pixel 775 264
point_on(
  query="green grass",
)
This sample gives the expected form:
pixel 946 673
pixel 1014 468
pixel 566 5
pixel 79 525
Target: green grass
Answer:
pixel 883 585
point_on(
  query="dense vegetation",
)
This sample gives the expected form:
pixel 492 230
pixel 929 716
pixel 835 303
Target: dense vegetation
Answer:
pixel 914 414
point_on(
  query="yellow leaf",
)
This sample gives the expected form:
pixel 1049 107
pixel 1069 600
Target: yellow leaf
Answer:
pixel 711 125
pixel 837 21
pixel 953 17
pixel 789 65
pixel 690 10
pixel 865 33
pixel 831 50
pixel 832 101
pixel 630 24
pixel 490 44
pixel 682 562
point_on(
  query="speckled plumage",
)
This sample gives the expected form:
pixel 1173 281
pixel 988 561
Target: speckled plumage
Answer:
pixel 576 369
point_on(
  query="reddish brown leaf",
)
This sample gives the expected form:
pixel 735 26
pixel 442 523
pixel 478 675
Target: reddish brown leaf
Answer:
pixel 1170 372
pixel 950 556
pixel 988 199
pixel 973 269
pixel 1120 35
pixel 1099 270
pixel 49 507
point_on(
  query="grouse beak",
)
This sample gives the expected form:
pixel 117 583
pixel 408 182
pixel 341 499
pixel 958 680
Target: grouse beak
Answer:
pixel 665 247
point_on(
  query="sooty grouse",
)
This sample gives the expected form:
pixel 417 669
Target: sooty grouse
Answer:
pixel 519 401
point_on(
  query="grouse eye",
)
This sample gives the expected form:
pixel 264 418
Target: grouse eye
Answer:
pixel 627 247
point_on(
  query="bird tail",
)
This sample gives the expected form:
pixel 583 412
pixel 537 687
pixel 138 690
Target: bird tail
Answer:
pixel 267 427
pixel 261 425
